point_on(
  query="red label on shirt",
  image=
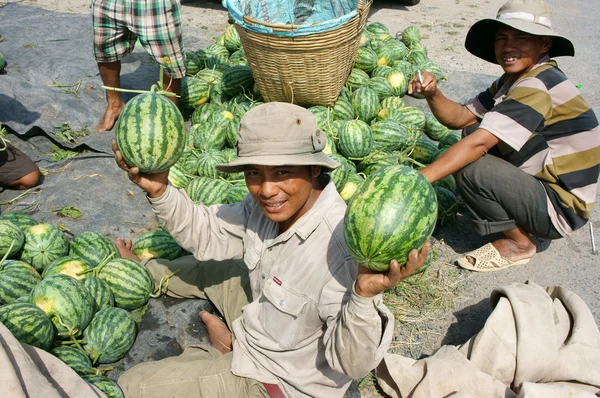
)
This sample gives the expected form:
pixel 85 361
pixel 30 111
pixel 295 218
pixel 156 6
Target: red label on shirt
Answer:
pixel 276 280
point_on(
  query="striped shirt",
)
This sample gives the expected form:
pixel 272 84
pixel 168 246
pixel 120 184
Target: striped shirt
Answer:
pixel 547 129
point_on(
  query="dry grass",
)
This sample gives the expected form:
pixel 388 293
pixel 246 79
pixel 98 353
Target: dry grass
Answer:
pixel 422 306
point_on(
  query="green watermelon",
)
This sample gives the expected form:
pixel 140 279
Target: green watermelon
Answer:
pixel 210 76
pixel 365 103
pixel 104 384
pixel 218 49
pixel 193 64
pixel 411 35
pixel 355 139
pixel 416 57
pixel 194 93
pixel 207 191
pixel 398 50
pixel 92 247
pixel 424 150
pixel 377 29
pixel 448 140
pixel 345 94
pixel 405 67
pixel 109 336
pixel 100 292
pixel 393 102
pixel 381 86
pixel 157 244
pixel 237 192
pixel 381 71
pixel 447 182
pixel 231 39
pixel 343 110
pixel 366 59
pixel 352 183
pixel 358 78
pixel 204 112
pixel 217 62
pixel 392 212
pixel 323 115
pixel 377 160
pixel 11 239
pixel 432 67
pixel 207 136
pixel 389 135
pixel 237 80
pixel 385 55
pixel 44 243
pixel 434 129
pixel 28 324
pixel 70 265
pixel 21 220
pixel 447 206
pixel 238 58
pixel 413 118
pixel 178 177
pixel 129 281
pixel 150 133
pixel 340 174
pixel 17 279
pixel 66 301
pixel 399 82
pixel 74 358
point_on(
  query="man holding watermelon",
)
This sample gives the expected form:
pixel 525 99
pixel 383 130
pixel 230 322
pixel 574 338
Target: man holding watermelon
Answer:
pixel 302 318
pixel 531 165
pixel 118 24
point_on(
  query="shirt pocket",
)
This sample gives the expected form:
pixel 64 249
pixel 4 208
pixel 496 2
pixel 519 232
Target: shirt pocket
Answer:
pixel 280 313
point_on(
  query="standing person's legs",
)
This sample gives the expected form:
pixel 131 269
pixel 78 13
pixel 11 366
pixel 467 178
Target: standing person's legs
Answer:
pixel 503 198
pixel 158 27
pixel 112 41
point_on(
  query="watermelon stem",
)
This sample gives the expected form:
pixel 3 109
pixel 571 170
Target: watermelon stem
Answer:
pixel 2 139
pixel 102 264
pixel 163 286
pixel 6 254
pixel 415 162
pixel 8 202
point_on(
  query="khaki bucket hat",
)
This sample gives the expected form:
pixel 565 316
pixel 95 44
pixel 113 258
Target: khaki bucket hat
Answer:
pixel 279 134
pixel 530 16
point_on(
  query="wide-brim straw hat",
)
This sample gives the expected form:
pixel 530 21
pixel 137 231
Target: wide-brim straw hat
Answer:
pixel 530 16
pixel 279 134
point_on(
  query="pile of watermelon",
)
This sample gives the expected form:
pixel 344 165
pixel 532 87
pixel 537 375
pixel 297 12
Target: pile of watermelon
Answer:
pixel 72 297
pixel 369 127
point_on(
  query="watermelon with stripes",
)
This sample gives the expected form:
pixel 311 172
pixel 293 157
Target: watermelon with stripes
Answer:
pixel 44 243
pixel 28 324
pixel 323 115
pixel 358 78
pixel 345 94
pixel 70 265
pixel 343 110
pixel 355 139
pixel 424 150
pixel 11 239
pixel 204 112
pixel 366 59
pixel 157 244
pixel 23 221
pixel 447 182
pixel 411 35
pixel 447 206
pixel 413 118
pixel 365 103
pixel 408 69
pixel 352 183
pixel 17 279
pixel 231 39
pixel 74 358
pixel 381 71
pixel 385 56
pixel 448 140
pixel 377 160
pixel 129 281
pixel 193 64
pixel 416 56
pixel 207 136
pixel 392 212
pixel 398 50
pixel 390 114
pixel 238 58
pixel 218 49
pixel 389 135
pixel 393 102
pixel 340 174
pixel 434 129
pixel 237 192
pixel 381 86
pixel 194 92
pixel 207 191
pixel 66 301
pixel 398 81
pixel 92 247
pixel 104 384
pixel 100 292
pixel 211 76
pixel 178 177
pixel 150 133
pixel 109 336
pixel 378 29
pixel 237 80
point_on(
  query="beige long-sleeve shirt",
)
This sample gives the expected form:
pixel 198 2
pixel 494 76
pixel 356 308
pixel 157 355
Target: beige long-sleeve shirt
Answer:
pixel 305 329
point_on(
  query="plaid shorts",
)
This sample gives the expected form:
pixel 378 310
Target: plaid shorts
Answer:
pixel 156 23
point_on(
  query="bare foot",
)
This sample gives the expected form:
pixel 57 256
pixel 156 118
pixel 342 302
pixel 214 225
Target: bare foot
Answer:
pixel 110 117
pixel 126 249
pixel 218 334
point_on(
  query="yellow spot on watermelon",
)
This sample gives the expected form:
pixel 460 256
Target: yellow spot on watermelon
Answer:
pixel 45 305
pixel 39 229
pixel 145 253
pixel 72 268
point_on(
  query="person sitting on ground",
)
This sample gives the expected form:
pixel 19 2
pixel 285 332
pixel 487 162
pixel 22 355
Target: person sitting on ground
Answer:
pixel 17 171
pixel 117 25
pixel 531 166
pixel 302 318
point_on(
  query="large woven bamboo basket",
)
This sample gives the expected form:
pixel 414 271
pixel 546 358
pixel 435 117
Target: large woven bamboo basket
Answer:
pixel 305 70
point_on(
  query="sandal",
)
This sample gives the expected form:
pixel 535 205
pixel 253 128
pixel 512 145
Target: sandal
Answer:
pixel 488 259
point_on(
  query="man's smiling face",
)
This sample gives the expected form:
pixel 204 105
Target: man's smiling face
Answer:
pixel 517 52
